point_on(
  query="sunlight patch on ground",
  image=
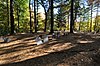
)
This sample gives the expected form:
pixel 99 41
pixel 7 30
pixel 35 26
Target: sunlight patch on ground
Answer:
pixel 17 42
pixel 10 43
pixel 53 42
pixel 59 47
pixel 21 54
pixel 84 42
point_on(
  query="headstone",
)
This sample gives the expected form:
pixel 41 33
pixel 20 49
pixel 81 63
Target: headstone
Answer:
pixel 53 35
pixel 15 32
pixel 6 39
pixel 38 40
pixel 45 38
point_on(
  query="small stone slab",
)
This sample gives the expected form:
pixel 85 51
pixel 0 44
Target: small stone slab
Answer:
pixel 6 39
pixel 38 40
pixel 53 35
pixel 45 38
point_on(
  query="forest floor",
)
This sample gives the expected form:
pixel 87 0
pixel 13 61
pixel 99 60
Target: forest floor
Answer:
pixel 79 49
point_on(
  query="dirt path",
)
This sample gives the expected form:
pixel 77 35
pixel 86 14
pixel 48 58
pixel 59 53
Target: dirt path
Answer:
pixel 71 50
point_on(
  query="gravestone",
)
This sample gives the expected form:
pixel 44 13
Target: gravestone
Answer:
pixel 45 38
pixel 15 31
pixel 53 35
pixel 38 40
pixel 6 39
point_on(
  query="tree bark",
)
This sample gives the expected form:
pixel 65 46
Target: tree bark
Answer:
pixel 88 23
pixel 91 19
pixel 37 15
pixel 71 17
pixel 11 17
pixel 45 22
pixel 52 21
pixel 18 17
pixel 96 18
pixel 35 24
pixel 8 13
pixel 30 17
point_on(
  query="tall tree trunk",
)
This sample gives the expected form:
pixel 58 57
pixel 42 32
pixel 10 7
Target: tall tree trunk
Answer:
pixel 7 16
pixel 97 23
pixel 35 24
pixel 71 18
pixel 11 17
pixel 88 23
pixel 37 15
pixel 30 17
pixel 75 15
pixel 18 17
pixel 8 12
pixel 91 19
pixel 96 18
pixel 45 22
pixel 52 21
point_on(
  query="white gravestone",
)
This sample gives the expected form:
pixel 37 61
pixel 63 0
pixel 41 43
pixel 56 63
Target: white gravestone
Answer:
pixel 6 39
pixel 53 35
pixel 45 38
pixel 39 40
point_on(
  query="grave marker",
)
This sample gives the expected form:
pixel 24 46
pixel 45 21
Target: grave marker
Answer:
pixel 6 39
pixel 38 40
pixel 45 38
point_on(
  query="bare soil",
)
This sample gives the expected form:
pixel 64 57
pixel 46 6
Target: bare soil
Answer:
pixel 79 49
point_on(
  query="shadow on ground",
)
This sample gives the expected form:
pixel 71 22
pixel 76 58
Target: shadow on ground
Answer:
pixel 70 50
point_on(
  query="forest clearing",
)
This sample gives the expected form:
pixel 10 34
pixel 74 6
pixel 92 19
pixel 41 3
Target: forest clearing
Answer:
pixel 49 32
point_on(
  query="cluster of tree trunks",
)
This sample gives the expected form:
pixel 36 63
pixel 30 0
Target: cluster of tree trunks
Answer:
pixel 73 16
